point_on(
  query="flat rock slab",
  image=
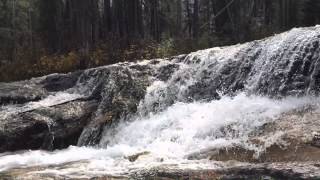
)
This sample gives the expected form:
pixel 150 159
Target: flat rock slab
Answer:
pixel 236 171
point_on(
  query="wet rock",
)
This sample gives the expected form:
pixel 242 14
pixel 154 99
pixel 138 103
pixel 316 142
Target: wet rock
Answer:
pixel 36 89
pixel 238 171
pixel 60 82
pixel 20 92
pixel 274 153
pixel 225 171
pixel 46 128
pixel 59 110
pixel 164 73
pixel 134 157
pixel 291 137
pixel 120 93
pixel 272 171
pixel 316 139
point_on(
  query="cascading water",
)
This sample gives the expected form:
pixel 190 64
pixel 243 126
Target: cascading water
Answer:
pixel 213 99
pixel 168 137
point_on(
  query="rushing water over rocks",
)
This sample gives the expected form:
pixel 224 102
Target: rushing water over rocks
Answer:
pixel 254 103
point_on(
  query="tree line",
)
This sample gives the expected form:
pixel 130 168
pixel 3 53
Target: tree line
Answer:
pixel 45 36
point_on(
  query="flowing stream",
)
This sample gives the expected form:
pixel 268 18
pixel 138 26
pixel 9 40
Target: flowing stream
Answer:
pixel 213 99
pixel 165 139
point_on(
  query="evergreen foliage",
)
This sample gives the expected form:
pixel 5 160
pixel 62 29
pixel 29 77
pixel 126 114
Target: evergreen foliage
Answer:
pixel 99 32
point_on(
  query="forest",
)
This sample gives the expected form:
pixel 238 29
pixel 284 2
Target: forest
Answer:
pixel 39 37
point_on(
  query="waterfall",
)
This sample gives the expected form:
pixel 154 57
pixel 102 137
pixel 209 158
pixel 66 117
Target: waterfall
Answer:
pixel 176 112
pixel 169 137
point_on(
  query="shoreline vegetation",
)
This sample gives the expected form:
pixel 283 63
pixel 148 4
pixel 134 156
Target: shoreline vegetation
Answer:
pixel 40 37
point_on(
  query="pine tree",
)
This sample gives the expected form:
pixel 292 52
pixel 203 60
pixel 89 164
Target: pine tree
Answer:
pixel 311 12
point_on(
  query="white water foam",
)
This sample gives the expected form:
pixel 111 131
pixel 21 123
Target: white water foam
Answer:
pixel 168 137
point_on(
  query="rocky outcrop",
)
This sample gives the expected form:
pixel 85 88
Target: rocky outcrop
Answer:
pixel 120 92
pixel 283 65
pixel 71 109
pixel 36 89
pixel 46 128
pixel 283 171
pixel 293 136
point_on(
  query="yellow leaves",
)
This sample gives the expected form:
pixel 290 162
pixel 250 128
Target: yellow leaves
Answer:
pixel 70 61
pixel 97 57
pixel 39 63
pixel 165 48
pixel 58 63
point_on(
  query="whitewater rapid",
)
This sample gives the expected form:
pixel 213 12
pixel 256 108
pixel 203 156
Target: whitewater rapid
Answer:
pixel 166 138
pixel 166 113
